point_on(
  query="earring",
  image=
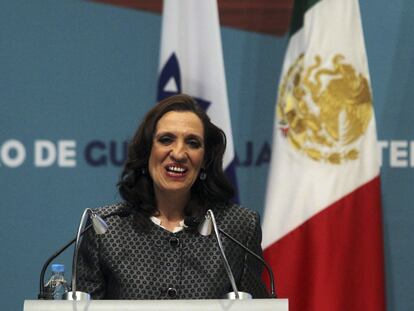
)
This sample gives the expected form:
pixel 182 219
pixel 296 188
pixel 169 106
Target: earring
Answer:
pixel 143 171
pixel 203 175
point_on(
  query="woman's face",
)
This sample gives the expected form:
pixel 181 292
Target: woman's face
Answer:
pixel 177 152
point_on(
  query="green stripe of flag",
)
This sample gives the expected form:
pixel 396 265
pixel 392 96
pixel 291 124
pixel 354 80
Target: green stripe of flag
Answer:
pixel 299 9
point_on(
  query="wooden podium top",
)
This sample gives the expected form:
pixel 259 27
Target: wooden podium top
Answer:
pixel 158 305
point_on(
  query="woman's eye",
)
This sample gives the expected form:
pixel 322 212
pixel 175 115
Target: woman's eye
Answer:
pixel 165 140
pixel 194 143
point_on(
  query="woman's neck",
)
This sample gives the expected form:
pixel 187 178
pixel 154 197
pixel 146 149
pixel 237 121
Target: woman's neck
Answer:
pixel 171 208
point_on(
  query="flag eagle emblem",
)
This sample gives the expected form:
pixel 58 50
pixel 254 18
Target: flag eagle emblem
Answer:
pixel 323 111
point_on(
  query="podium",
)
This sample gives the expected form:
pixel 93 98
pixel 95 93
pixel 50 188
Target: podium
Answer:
pixel 158 305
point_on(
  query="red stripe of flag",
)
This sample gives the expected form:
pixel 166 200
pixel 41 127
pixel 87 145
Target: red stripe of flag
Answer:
pixel 334 261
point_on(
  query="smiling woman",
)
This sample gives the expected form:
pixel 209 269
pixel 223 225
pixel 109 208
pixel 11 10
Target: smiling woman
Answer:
pixel 176 135
pixel 173 172
pixel 175 161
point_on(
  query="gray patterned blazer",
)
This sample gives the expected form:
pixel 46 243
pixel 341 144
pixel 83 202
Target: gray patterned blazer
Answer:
pixel 127 263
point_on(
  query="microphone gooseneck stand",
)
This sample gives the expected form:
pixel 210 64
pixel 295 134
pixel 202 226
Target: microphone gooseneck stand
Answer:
pixel 223 256
pixel 42 294
pixel 204 228
pixel 269 270
pixel 74 294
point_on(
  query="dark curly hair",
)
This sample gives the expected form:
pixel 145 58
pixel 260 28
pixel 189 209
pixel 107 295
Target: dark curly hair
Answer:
pixel 136 185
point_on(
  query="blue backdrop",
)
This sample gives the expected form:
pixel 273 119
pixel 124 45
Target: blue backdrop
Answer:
pixel 75 80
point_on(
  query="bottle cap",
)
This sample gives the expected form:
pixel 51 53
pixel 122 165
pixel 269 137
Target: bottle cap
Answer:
pixel 57 267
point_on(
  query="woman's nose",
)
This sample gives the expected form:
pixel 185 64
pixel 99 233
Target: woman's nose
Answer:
pixel 178 153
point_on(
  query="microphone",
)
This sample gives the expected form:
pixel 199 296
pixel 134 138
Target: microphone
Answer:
pixel 122 212
pixel 205 229
pixel 197 222
pixel 267 266
pixel 100 227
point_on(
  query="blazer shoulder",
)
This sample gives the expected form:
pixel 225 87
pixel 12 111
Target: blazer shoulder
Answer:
pixel 241 212
pixel 238 220
pixel 110 208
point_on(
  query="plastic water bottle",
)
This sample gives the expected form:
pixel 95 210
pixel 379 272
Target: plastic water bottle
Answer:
pixel 57 286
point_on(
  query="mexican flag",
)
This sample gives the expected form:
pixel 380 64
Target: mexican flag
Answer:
pixel 322 229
